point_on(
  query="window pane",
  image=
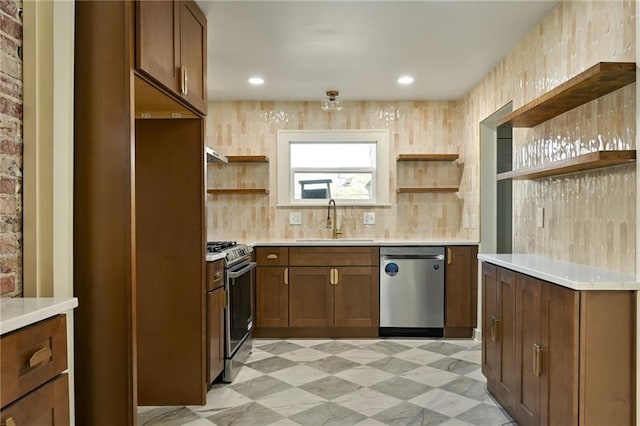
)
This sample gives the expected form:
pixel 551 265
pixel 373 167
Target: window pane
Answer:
pixel 332 155
pixel 339 186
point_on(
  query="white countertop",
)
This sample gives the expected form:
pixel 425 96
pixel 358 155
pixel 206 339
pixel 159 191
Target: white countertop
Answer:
pixel 19 312
pixel 566 274
pixel 362 242
pixel 212 257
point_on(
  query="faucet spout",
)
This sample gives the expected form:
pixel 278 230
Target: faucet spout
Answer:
pixel 332 222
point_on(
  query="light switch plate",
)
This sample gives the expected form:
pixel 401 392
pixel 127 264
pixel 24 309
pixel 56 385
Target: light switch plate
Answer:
pixel 540 217
pixel 295 218
pixel 369 218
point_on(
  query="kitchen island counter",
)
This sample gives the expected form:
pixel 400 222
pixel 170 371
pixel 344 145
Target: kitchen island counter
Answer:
pixel 565 274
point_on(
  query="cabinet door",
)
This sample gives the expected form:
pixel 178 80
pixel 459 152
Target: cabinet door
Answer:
pixel 193 55
pixel 157 44
pixel 528 350
pixel 490 342
pixel 46 406
pixel 559 396
pixel 461 287
pixel 311 297
pixel 215 305
pixel 272 296
pixel 357 301
pixel 506 387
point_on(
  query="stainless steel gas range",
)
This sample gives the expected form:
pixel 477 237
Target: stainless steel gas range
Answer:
pixel 238 311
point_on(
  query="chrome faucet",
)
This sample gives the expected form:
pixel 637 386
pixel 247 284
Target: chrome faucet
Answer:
pixel 333 223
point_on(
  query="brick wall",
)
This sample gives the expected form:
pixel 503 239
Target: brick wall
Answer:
pixel 10 148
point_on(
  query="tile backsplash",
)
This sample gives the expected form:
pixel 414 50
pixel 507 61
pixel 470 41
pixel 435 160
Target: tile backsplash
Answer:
pixel 590 216
pixel 250 128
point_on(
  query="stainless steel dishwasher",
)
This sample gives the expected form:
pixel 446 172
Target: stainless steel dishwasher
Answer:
pixel 412 291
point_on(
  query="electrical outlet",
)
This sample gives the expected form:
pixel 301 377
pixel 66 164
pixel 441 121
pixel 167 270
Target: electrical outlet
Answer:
pixel 369 218
pixel 295 218
pixel 540 217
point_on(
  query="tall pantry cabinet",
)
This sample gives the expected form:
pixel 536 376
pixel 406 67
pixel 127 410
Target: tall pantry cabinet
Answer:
pixel 139 230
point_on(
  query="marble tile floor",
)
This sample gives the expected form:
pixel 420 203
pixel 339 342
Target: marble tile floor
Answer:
pixel 364 382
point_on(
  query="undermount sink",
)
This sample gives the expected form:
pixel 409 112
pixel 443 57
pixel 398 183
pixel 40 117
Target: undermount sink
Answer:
pixel 337 240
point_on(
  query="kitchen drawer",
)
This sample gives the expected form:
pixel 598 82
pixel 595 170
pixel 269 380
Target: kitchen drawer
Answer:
pixel 46 406
pixel 32 356
pixel 215 274
pixel 334 256
pixel 272 256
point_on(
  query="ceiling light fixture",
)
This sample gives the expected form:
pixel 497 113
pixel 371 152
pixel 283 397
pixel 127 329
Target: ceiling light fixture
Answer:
pixel 256 81
pixel 405 79
pixel 331 104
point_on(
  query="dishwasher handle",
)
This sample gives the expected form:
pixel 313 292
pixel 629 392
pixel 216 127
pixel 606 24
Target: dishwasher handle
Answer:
pixel 412 256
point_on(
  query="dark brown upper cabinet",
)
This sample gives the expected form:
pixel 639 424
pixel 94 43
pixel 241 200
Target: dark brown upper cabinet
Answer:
pixel 171 48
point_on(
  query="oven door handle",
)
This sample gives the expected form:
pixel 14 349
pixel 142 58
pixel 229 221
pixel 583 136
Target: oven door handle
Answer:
pixel 236 274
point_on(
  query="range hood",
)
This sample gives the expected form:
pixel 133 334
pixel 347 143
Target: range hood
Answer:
pixel 213 156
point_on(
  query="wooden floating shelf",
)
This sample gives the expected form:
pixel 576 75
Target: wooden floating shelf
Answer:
pixel 593 160
pixel 248 158
pixel 597 81
pixel 427 157
pixel 425 189
pixel 238 191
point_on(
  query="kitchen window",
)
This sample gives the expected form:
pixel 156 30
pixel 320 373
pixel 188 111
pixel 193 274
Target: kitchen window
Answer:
pixel 350 166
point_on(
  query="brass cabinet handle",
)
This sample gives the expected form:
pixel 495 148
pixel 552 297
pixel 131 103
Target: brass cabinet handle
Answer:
pixel 186 81
pixel 272 256
pixel 448 255
pixel 183 82
pixel 537 360
pixel 9 422
pixel 496 328
pixel 337 279
pixel 333 276
pixel 39 356
pixel 286 276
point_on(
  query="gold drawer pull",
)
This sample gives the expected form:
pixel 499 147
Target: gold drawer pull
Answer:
pixel 39 356
pixel 337 279
pixel 495 328
pixel 286 276
pixel 272 256
pixel 448 255
pixel 537 360
pixel 9 422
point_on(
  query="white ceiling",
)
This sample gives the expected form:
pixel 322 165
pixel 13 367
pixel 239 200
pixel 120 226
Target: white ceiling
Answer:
pixel 304 48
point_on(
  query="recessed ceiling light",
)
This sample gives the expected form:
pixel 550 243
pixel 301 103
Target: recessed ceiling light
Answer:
pixel 405 79
pixel 256 81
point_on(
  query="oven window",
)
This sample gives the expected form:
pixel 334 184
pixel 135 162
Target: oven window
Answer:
pixel 240 321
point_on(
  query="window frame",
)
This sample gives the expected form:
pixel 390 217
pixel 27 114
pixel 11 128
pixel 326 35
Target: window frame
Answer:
pixel 380 171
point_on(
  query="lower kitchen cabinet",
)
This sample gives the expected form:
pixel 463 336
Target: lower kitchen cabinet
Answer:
pixel 555 356
pixel 334 297
pixel 317 291
pixel 461 291
pixel 46 406
pixel 215 327
pixel 311 297
pixel 357 299
pixel 499 352
pixel 272 296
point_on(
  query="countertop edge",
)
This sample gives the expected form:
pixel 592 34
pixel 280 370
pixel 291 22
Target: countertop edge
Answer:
pixel 362 242
pixel 36 313
pixel 559 272
pixel 212 257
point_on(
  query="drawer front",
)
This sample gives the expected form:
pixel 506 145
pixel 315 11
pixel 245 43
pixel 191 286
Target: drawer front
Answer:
pixel 272 256
pixel 215 274
pixel 32 356
pixel 334 256
pixel 46 406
